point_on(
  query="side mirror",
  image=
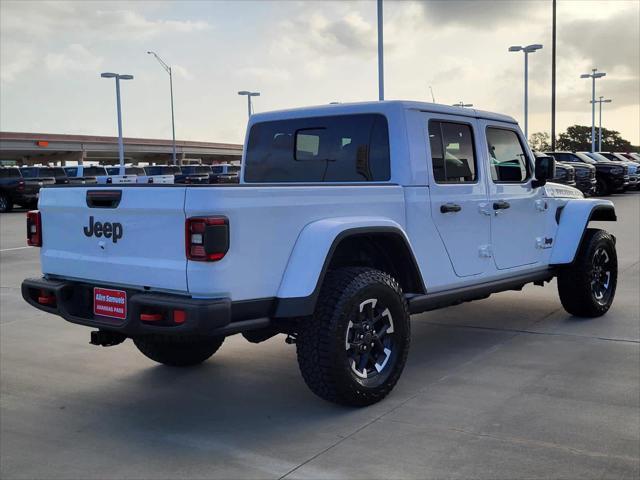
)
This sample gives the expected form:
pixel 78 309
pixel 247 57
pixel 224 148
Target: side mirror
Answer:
pixel 545 170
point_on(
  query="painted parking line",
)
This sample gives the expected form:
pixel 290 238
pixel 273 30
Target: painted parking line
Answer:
pixel 11 249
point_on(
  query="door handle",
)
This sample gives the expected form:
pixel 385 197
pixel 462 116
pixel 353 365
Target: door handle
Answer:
pixel 501 205
pixel 450 208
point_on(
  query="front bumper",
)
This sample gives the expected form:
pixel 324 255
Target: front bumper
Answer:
pixel 203 317
pixel 586 185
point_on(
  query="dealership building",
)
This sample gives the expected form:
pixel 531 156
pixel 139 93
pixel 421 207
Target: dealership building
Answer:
pixel 46 148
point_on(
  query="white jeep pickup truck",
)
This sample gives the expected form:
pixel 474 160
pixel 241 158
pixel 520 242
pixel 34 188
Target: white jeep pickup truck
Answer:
pixel 348 219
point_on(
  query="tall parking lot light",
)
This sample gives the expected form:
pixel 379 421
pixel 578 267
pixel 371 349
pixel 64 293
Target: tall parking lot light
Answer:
pixel 380 53
pixel 167 69
pixel 249 95
pixel 462 104
pixel 119 77
pixel 527 50
pixel 593 75
pixel 600 101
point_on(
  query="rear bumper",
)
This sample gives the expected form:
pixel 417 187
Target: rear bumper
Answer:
pixel 203 317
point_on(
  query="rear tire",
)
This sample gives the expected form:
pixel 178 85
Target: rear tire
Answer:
pixel 176 352
pixel 587 287
pixel 354 348
pixel 602 188
pixel 6 205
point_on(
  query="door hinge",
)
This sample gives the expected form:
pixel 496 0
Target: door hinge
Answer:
pixel 485 209
pixel 485 251
pixel 541 205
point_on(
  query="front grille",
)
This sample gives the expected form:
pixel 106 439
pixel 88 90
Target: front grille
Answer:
pixel 592 175
pixel 626 170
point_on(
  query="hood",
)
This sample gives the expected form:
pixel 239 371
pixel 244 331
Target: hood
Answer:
pixel 555 190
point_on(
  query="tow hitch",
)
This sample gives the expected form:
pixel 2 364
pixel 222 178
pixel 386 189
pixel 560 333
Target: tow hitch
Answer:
pixel 104 338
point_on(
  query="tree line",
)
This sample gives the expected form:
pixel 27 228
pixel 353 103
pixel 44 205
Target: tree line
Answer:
pixel 577 138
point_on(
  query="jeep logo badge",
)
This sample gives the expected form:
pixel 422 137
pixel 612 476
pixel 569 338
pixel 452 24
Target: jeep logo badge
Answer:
pixel 110 230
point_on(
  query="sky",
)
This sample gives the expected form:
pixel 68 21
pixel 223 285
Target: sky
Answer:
pixel 306 53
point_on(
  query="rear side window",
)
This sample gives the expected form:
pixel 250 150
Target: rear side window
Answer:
pixel 93 171
pixel 9 172
pixel 342 148
pixel 507 158
pixel 452 153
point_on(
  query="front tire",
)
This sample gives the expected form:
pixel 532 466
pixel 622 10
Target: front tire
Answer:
pixel 587 287
pixel 177 352
pixel 354 348
pixel 602 188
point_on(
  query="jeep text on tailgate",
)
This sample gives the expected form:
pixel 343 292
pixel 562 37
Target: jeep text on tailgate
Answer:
pixel 347 219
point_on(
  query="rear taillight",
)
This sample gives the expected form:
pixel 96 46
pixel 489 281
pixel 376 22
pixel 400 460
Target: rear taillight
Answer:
pixel 34 229
pixel 20 186
pixel 207 238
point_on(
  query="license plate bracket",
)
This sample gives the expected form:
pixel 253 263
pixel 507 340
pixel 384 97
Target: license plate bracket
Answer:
pixel 110 303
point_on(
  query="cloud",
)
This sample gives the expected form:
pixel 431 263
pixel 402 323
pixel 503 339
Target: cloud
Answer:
pixel 38 20
pixel 15 60
pixel 607 45
pixel 264 74
pixel 349 34
pixel 74 58
pixel 477 13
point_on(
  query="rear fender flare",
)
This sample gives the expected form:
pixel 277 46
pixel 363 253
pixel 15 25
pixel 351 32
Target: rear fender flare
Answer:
pixel 573 220
pixel 312 253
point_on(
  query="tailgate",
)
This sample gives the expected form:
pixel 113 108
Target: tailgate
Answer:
pixel 137 241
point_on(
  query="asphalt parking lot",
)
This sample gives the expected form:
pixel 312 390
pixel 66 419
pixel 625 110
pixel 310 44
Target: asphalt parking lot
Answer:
pixel 507 387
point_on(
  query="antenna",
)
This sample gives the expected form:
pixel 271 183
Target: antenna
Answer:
pixel 432 97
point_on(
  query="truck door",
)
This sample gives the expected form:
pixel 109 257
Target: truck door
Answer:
pixel 518 211
pixel 458 193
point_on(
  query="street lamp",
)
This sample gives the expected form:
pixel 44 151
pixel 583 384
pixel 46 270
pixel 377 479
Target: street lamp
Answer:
pixel 600 101
pixel 167 68
pixel 249 95
pixel 593 75
pixel 527 50
pixel 462 104
pixel 118 77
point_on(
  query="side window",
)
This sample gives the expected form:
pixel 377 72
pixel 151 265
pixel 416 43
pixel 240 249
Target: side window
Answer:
pixel 508 160
pixel 452 153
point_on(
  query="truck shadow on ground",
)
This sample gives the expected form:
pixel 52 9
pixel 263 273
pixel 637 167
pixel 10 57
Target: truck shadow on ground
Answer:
pixel 246 393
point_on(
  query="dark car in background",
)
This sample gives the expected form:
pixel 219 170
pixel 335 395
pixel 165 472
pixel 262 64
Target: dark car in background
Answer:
pixel 585 173
pixel 634 168
pixel 15 189
pixel 58 173
pixel 194 174
pixel 225 173
pixel 565 173
pixel 609 175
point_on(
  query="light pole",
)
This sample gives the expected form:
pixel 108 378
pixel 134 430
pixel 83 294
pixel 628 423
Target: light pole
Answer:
pixel 119 77
pixel 167 68
pixel 462 104
pixel 249 95
pixel 527 50
pixel 380 54
pixel 593 75
pixel 600 101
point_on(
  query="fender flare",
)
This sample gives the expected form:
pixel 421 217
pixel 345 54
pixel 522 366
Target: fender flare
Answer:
pixel 312 254
pixel 573 220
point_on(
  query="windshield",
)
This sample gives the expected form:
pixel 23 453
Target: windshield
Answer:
pixel 585 157
pixel 134 171
pixel 188 169
pixel 29 172
pixel 9 172
pixel 52 172
pixel 597 157
pixel 92 171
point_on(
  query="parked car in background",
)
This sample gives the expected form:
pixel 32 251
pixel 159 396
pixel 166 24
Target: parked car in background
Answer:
pixel 58 173
pixel 161 173
pixel 15 189
pixel 194 174
pixel 634 174
pixel 225 173
pixel 565 173
pixel 615 166
pixel 585 173
pixel 633 156
pixel 99 173
pixel 609 177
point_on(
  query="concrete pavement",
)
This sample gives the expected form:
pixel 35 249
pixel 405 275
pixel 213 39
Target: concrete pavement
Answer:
pixel 507 387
